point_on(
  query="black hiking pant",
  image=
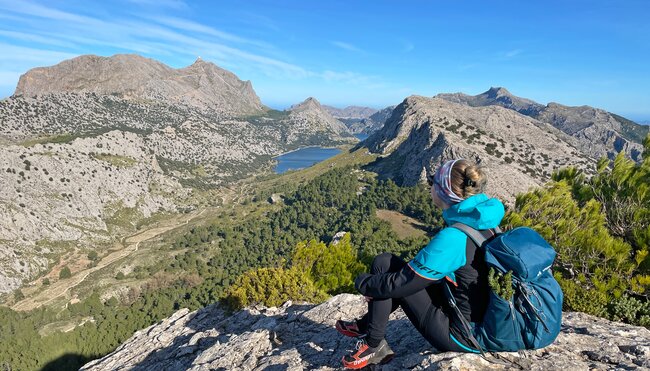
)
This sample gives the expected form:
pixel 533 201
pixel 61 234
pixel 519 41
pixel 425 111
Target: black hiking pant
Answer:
pixel 426 309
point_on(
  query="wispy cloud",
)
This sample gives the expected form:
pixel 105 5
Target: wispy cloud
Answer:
pixel 19 53
pixel 173 36
pixel 174 4
pixel 186 25
pixel 162 34
pixel 35 38
pixel 346 46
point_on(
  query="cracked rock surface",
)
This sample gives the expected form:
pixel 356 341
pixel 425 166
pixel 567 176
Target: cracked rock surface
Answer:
pixel 302 337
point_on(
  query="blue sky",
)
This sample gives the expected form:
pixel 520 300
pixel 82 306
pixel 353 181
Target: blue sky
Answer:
pixel 372 53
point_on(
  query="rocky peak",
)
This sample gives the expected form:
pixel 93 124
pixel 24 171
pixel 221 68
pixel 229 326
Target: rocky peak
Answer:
pixel 498 96
pixel 302 336
pixel 310 113
pixel 495 92
pixel 308 104
pixel 202 84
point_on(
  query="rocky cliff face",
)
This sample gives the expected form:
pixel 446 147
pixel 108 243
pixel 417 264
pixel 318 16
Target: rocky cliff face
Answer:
pixel 599 133
pixel 130 76
pixel 298 337
pixel 517 151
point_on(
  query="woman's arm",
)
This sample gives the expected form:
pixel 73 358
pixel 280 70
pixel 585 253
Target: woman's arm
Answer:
pixel 391 285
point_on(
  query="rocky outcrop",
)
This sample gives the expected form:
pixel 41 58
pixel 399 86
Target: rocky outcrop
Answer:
pixel 79 191
pixel 598 132
pixel 310 113
pixel 302 336
pixel 202 84
pixel 517 152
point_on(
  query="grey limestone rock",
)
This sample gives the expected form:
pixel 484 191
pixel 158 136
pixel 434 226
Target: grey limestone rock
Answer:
pixel 302 337
pixel 517 152
pixel 361 120
pixel 311 113
pixel 202 84
pixel 598 132
pixel 350 112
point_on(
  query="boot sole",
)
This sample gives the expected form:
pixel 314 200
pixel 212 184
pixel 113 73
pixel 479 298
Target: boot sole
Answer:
pixel 371 366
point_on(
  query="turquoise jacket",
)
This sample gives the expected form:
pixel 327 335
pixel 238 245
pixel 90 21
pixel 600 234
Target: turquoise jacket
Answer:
pixel 445 253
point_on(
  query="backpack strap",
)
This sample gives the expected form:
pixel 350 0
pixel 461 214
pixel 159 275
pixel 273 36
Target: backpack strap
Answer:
pixel 479 237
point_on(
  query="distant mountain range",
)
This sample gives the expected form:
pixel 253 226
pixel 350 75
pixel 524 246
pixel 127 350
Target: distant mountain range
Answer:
pixel 600 133
pixel 361 120
pixel 350 112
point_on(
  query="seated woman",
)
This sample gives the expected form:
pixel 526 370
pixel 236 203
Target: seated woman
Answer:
pixel 415 286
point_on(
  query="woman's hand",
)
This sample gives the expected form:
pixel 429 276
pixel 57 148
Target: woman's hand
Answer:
pixel 367 298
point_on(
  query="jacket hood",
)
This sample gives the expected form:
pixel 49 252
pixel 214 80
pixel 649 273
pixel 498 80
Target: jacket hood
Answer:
pixel 478 211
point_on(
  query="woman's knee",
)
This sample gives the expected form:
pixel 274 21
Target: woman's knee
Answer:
pixel 382 263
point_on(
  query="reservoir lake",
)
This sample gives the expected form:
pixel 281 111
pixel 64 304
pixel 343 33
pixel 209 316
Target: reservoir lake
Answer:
pixel 303 158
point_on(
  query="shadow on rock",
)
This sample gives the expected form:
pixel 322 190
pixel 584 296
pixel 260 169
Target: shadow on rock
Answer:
pixel 286 338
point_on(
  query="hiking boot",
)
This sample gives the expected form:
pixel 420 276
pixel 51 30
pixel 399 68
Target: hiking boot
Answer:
pixel 367 356
pixel 349 328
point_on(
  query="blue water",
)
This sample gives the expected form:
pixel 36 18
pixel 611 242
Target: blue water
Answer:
pixel 303 158
pixel 361 137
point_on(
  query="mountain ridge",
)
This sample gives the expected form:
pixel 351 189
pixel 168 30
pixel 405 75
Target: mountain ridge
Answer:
pixel 351 112
pixel 599 133
pixel 517 151
pixel 201 84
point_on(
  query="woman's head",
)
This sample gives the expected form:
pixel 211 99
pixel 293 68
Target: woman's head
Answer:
pixel 455 181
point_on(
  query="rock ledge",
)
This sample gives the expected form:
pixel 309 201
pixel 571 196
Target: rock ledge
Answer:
pixel 302 336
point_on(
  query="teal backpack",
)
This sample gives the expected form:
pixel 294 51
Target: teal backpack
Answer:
pixel 532 318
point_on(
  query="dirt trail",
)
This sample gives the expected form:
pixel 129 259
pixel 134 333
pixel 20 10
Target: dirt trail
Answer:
pixel 132 243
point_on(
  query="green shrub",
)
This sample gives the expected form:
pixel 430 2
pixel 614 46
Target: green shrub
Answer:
pixel 272 287
pixel 600 228
pixel 631 310
pixel 18 295
pixel 65 273
pixel 332 268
